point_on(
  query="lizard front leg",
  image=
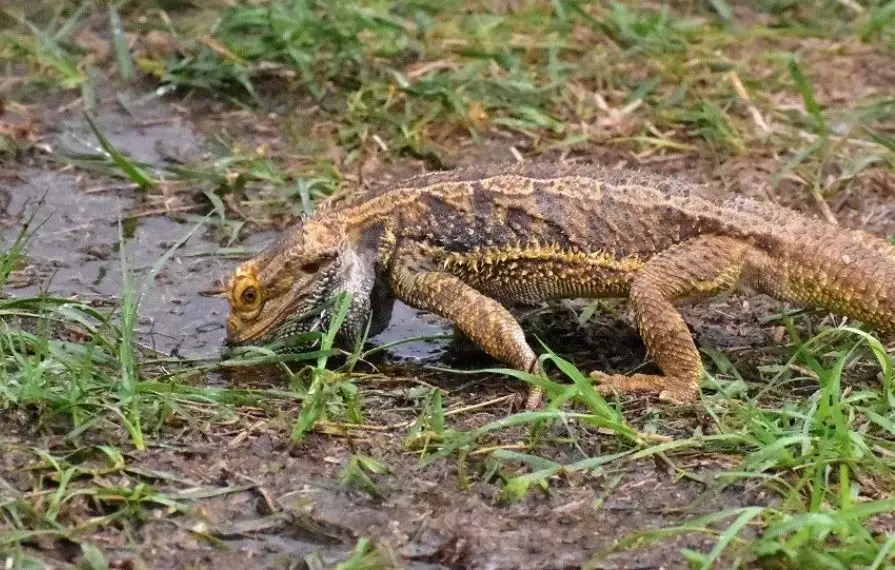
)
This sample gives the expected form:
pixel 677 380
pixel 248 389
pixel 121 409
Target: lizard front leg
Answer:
pixel 702 266
pixel 488 323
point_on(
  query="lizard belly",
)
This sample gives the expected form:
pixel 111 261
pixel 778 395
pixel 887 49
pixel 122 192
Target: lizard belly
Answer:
pixel 538 273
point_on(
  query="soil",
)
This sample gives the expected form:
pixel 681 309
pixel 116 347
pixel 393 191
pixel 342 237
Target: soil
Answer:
pixel 260 502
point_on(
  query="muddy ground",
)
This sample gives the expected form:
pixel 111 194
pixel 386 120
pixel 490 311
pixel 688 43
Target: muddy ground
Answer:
pixel 280 503
pixel 261 502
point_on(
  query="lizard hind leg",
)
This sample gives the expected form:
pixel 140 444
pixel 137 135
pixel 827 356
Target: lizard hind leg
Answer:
pixel 700 267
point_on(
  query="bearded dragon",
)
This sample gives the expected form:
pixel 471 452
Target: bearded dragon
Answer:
pixel 467 244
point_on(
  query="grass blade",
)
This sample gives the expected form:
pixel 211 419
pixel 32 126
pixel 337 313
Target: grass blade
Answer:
pixel 806 90
pixel 879 17
pixel 119 42
pixel 732 531
pixel 131 170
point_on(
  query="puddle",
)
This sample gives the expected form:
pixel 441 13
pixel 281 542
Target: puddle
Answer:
pixel 76 252
pixel 409 323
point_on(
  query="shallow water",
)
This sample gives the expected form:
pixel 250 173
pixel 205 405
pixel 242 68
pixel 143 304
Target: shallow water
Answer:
pixel 76 250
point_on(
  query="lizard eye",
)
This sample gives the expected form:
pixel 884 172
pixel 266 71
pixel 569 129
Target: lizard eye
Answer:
pixel 249 295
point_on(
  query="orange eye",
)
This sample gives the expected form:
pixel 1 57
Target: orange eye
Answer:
pixel 249 295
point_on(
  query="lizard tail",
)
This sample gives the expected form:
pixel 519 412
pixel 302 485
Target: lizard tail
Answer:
pixel 843 271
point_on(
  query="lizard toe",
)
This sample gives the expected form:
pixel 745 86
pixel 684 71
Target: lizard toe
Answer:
pixel 535 399
pixel 667 389
pixel 608 384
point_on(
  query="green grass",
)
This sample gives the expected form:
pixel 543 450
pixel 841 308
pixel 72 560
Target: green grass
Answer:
pixel 414 79
pixel 822 455
pixel 409 82
pixel 816 454
pixel 348 81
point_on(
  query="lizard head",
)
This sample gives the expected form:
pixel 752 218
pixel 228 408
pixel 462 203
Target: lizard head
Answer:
pixel 286 289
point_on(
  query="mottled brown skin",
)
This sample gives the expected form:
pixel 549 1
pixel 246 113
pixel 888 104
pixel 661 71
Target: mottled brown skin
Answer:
pixel 468 243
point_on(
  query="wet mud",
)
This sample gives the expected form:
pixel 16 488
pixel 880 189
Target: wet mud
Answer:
pixel 81 221
pixel 269 503
pixel 262 502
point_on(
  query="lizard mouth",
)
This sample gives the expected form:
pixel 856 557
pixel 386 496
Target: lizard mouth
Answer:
pixel 296 327
pixel 289 333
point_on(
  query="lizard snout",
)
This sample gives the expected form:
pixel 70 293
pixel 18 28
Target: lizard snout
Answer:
pixel 233 326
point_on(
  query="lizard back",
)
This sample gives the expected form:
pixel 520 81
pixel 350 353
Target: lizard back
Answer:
pixel 586 209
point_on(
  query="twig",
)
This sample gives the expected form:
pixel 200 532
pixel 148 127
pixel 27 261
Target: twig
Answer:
pixel 753 110
pixel 480 405
pixel 824 208
pixel 484 450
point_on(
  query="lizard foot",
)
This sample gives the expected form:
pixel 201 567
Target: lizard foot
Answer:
pixel 667 389
pixel 529 402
